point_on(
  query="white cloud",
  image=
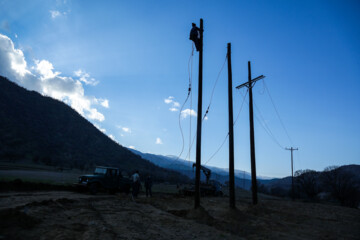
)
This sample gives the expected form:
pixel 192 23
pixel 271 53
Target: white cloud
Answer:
pixel 188 112
pixel 112 137
pixel 105 103
pixel 101 129
pixel 85 77
pixel 158 141
pixel 46 81
pixel 175 105
pixel 45 69
pixel 102 102
pixel 55 14
pixel 131 147
pixel 173 109
pixel 126 129
pixel 94 114
pixel 169 99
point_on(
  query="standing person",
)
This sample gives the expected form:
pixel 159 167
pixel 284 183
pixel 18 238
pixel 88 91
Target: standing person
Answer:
pixel 148 185
pixel 135 183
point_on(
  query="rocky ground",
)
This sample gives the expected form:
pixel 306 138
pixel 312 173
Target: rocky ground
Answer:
pixel 67 215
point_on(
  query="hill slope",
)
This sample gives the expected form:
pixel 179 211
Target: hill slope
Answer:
pixel 44 130
pixel 242 178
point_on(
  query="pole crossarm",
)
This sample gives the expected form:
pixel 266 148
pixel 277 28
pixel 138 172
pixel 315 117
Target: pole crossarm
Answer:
pixel 252 82
pixel 291 149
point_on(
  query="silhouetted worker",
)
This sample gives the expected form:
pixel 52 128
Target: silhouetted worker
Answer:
pixel 148 185
pixel 135 183
pixel 195 36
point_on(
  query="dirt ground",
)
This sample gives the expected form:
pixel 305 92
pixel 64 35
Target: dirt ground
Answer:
pixel 67 215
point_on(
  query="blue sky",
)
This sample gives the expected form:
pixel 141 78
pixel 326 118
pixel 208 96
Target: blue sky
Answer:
pixel 116 62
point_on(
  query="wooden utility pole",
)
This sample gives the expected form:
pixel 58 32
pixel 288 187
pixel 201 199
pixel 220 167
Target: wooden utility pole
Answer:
pixel 292 171
pixel 199 119
pixel 249 85
pixel 231 132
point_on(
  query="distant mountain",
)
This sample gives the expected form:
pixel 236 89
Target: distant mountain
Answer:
pixel 44 130
pixel 242 178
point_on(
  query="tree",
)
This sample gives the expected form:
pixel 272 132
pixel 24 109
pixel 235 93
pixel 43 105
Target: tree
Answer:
pixel 262 188
pixel 306 182
pixel 342 186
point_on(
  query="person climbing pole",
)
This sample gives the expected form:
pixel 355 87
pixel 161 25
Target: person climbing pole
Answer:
pixel 195 36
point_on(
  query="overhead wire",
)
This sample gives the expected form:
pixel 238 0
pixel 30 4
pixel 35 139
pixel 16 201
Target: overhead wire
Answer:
pixel 211 98
pixel 227 135
pixel 265 126
pixel 277 113
pixel 213 90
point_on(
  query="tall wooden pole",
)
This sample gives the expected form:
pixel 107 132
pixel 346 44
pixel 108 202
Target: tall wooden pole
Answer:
pixel 249 84
pixel 231 132
pixel 252 140
pixel 199 119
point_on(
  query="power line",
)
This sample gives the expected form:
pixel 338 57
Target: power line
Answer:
pixel 207 110
pixel 265 126
pixel 213 90
pixel 277 113
pixel 237 117
pixel 222 144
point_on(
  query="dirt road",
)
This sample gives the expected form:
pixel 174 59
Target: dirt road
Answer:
pixel 66 215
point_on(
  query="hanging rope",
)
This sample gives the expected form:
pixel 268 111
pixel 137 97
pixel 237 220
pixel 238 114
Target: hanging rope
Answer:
pixel 207 110
pixel 187 97
pixel 190 77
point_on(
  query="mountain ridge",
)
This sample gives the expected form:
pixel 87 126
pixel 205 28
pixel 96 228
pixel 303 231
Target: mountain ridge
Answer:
pixel 44 130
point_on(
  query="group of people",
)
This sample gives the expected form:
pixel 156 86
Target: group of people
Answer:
pixel 136 184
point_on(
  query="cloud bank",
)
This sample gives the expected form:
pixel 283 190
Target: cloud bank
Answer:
pixel 43 79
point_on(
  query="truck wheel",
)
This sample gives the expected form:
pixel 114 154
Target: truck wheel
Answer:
pixel 94 188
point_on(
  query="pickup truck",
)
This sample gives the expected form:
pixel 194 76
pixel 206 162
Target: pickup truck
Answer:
pixel 105 178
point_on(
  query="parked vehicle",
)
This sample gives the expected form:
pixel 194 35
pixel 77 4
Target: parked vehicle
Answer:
pixel 105 178
pixel 208 188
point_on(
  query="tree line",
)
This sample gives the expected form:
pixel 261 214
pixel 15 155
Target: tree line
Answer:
pixel 334 184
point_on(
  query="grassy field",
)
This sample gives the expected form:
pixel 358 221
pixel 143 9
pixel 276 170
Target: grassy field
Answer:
pixel 38 173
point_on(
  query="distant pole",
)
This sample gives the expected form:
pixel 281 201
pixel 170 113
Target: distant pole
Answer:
pixel 199 119
pixel 249 85
pixel 292 171
pixel 231 132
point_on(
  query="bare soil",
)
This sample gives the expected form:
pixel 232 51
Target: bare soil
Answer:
pixel 67 215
